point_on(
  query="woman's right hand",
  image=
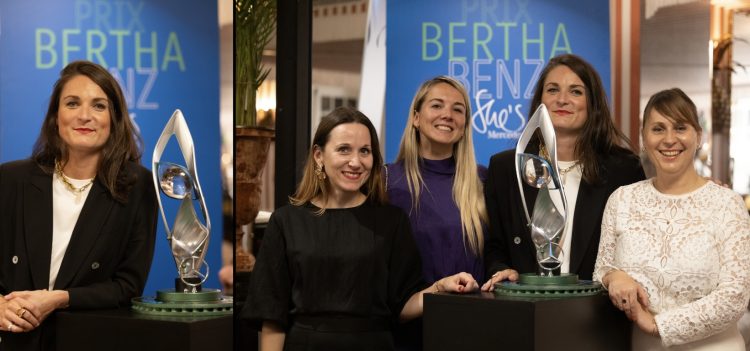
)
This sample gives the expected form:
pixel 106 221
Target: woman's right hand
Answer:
pixel 624 291
pixel 15 315
pixel 506 274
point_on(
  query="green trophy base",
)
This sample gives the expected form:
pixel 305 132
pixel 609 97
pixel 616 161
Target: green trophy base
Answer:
pixel 531 285
pixel 208 302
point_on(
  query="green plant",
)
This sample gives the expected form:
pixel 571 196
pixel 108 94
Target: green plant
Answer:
pixel 255 24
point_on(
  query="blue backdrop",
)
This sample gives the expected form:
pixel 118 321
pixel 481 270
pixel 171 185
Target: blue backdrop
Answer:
pixel 496 48
pixel 164 53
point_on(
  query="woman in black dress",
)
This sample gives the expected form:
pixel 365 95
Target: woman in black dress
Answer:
pixel 339 267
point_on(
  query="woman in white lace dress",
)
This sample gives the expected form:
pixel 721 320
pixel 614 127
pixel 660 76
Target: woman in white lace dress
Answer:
pixel 675 249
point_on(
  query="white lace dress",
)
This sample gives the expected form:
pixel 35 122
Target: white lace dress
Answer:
pixel 690 252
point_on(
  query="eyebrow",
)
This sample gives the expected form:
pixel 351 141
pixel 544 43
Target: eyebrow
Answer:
pixel 443 101
pixel 78 97
pixel 572 85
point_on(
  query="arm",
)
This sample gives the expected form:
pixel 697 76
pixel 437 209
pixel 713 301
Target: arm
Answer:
pixel 725 304
pixel 457 283
pixel 271 337
pixel 269 295
pixel 129 274
pixel 623 290
pixel 495 252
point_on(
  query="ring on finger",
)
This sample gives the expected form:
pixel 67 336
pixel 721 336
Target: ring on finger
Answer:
pixel 10 326
pixel 20 312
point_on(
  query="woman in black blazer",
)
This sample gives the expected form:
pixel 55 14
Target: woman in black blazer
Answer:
pixel 593 159
pixel 79 217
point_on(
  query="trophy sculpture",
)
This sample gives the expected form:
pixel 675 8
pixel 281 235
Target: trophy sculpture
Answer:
pixel 188 238
pixel 547 222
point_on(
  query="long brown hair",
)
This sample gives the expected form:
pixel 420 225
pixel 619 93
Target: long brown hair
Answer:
pixel 122 146
pixel 468 193
pixel 599 136
pixel 310 186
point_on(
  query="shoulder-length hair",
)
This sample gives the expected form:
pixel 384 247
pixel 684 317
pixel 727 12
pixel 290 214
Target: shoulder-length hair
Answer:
pixel 599 136
pixel 310 187
pixel 468 193
pixel 122 146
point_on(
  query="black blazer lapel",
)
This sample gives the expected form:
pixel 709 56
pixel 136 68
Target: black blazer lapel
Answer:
pixel 85 234
pixel 584 223
pixel 37 219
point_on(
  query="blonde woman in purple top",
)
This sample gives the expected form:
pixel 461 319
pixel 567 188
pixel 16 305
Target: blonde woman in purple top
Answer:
pixel 437 182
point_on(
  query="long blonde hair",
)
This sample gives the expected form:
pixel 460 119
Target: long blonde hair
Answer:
pixel 310 186
pixel 468 193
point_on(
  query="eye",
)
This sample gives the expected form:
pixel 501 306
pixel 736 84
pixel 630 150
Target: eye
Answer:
pixel 552 90
pixel 681 127
pixel 100 106
pixel 459 109
pixel 657 129
pixel 577 92
pixel 365 151
pixel 71 103
pixel 343 149
pixel 436 106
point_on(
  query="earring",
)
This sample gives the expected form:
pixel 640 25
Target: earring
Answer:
pixel 320 173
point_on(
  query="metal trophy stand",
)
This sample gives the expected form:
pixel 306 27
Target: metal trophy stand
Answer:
pixel 189 237
pixel 548 222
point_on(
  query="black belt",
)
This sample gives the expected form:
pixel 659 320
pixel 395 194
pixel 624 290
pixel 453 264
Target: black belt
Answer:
pixel 342 323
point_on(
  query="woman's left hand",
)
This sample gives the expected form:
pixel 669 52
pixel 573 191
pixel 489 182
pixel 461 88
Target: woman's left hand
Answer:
pixel 39 303
pixel 643 318
pixel 460 283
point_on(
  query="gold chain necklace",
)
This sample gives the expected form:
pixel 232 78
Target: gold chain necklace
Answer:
pixel 76 191
pixel 563 171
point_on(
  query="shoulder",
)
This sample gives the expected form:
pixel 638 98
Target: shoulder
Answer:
pixel 621 158
pixel 621 167
pixel 137 175
pixel 394 168
pixel 19 167
pixel 138 169
pixel 636 187
pixel 503 158
pixel 482 172
pixel 724 194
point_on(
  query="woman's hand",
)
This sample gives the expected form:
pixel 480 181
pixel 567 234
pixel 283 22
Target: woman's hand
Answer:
pixel 625 292
pixel 642 318
pixel 38 304
pixel 459 283
pixel 506 274
pixel 15 315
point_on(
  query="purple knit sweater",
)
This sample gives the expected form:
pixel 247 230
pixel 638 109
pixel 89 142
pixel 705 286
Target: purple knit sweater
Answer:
pixel 436 223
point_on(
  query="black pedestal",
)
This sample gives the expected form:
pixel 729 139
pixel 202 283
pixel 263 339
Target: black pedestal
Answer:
pixel 483 322
pixel 121 330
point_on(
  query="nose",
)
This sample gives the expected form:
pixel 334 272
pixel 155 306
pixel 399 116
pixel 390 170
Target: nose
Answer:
pixel 355 162
pixel 562 98
pixel 670 136
pixel 85 114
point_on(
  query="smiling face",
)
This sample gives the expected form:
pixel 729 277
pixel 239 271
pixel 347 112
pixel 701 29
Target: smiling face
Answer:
pixel 347 160
pixel 564 94
pixel 670 144
pixel 441 121
pixel 83 116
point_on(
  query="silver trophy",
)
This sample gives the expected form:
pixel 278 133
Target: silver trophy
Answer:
pixel 541 172
pixel 547 223
pixel 188 237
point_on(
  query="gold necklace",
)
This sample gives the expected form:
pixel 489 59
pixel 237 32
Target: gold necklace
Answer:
pixel 76 191
pixel 563 171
